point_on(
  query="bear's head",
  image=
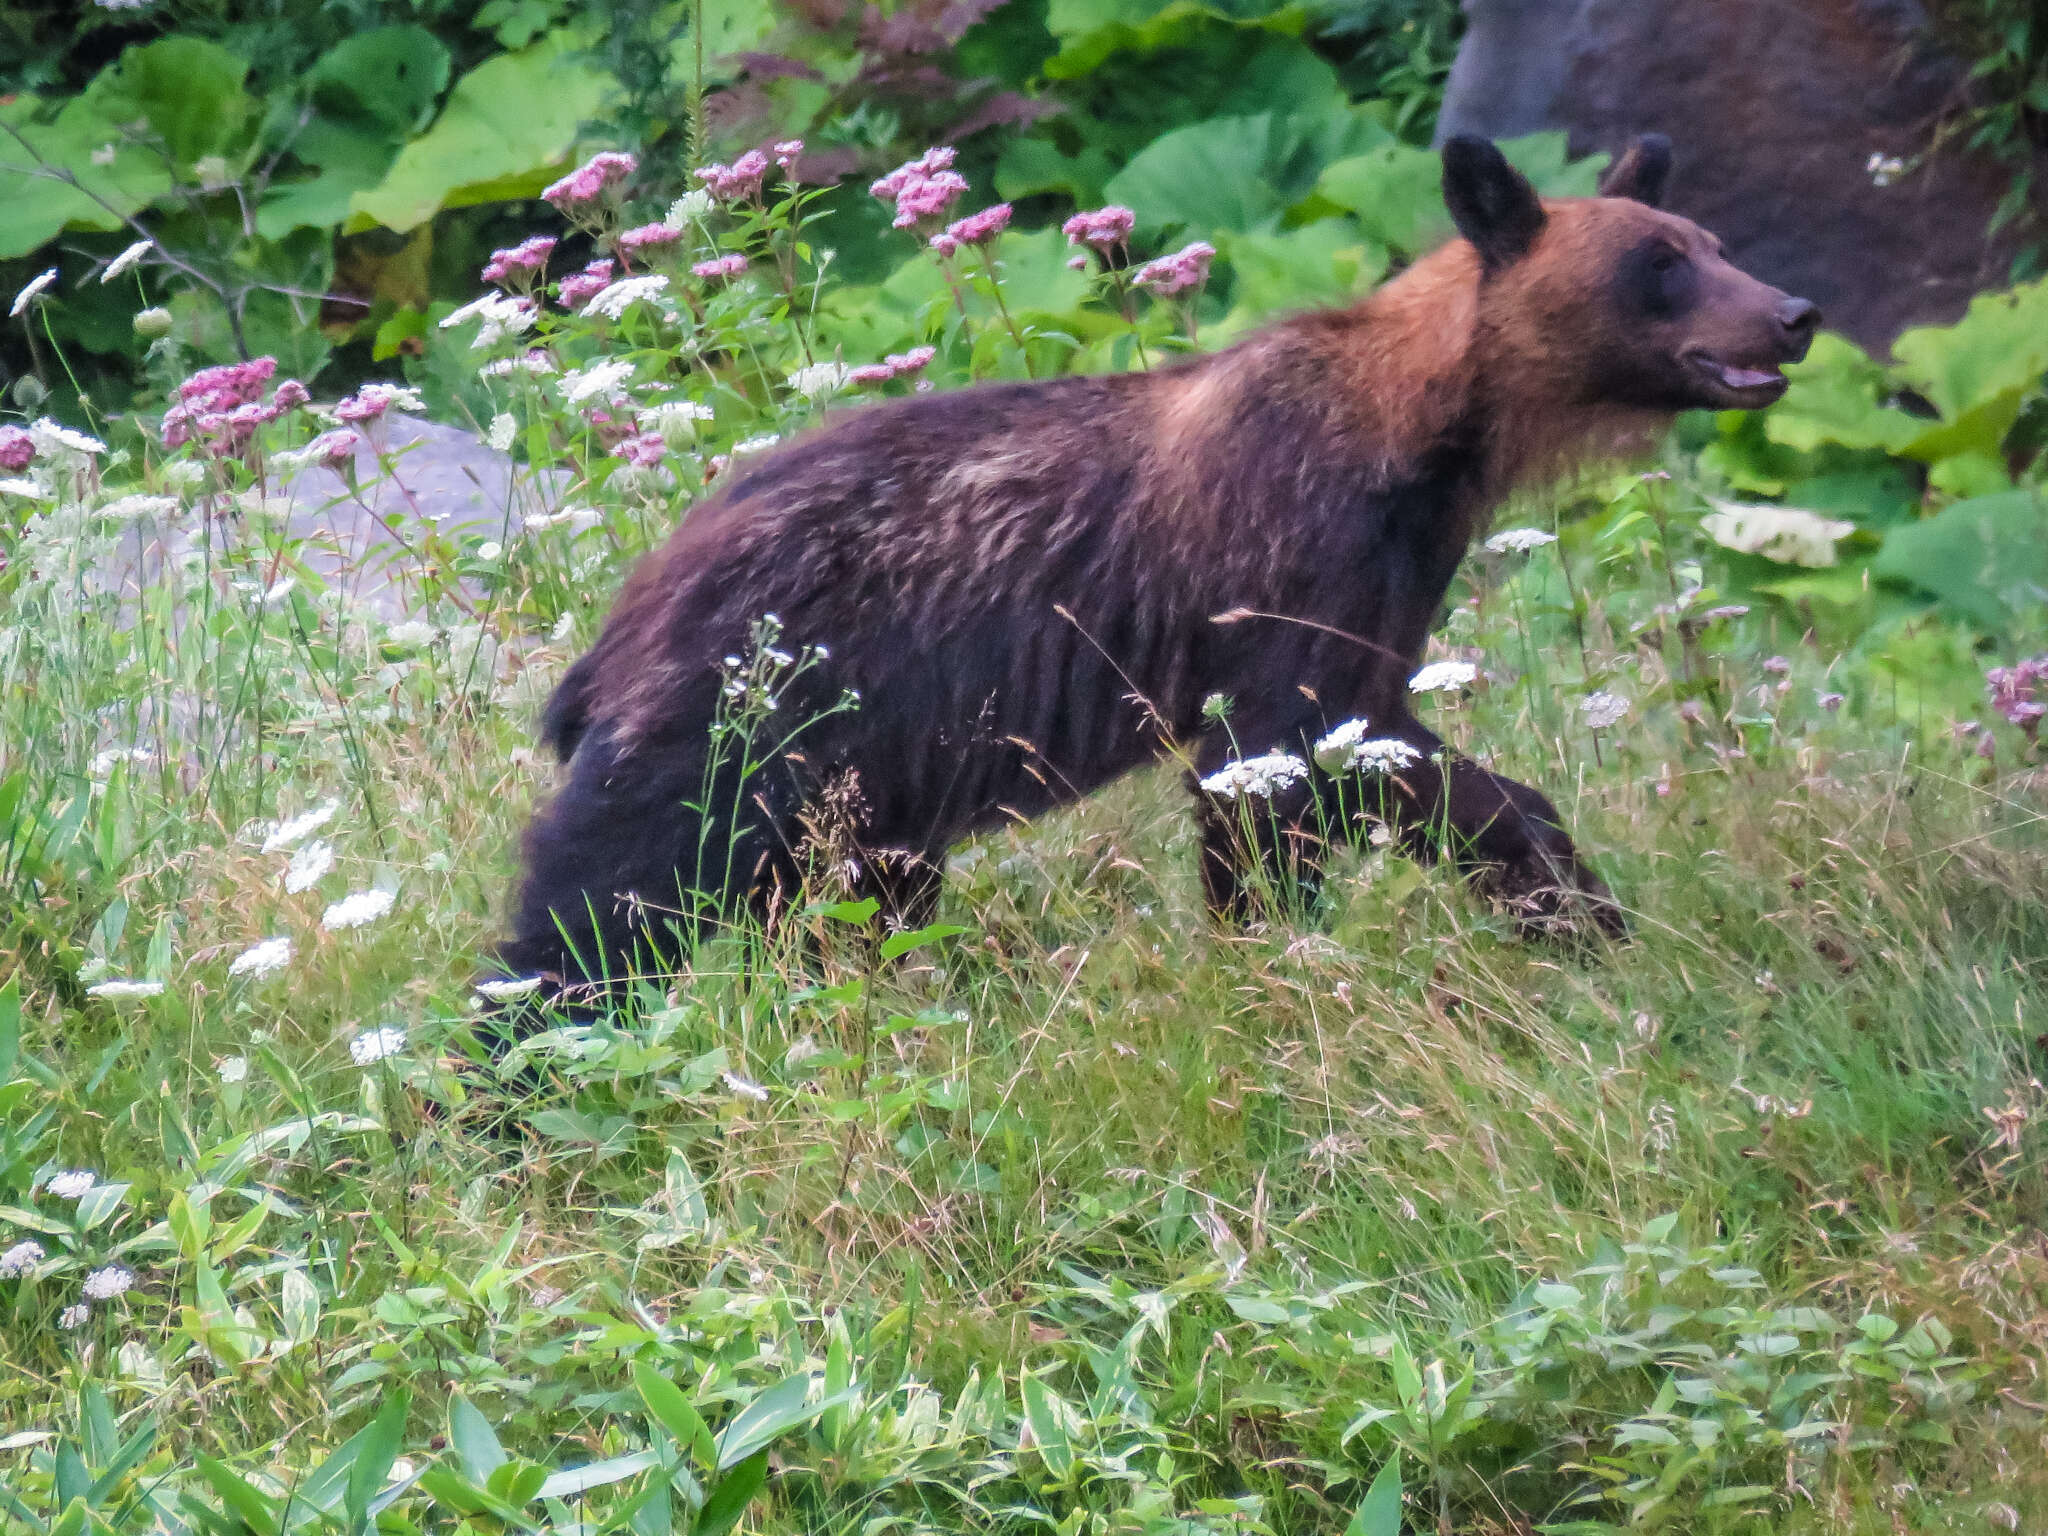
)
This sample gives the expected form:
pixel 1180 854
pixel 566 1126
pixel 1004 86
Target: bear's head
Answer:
pixel 1624 304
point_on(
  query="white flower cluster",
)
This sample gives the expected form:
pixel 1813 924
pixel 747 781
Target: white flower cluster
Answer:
pixel 501 314
pixel 504 432
pixel 107 1282
pixel 131 508
pixel 53 439
pixel 374 1045
pixel 612 303
pixel 600 378
pixel 1601 710
pixel 116 990
pixel 357 910
pixel 1262 776
pixel 820 379
pixel 308 866
pixel 71 1184
pixel 1519 541
pixel 261 959
pixel 1444 677
pixel 19 1259
pixel 1347 749
pixel 285 833
pixel 688 209
pixel 575 519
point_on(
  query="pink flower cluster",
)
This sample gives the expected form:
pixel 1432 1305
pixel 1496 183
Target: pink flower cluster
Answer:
pixel 648 237
pixel 896 365
pixel 786 153
pixel 334 449
pixel 723 266
pixel 581 287
pixel 2015 692
pixel 370 402
pixel 921 189
pixel 16 448
pixel 1173 275
pixel 222 407
pixel 516 265
pixel 1103 229
pixel 738 181
pixel 590 180
pixel 976 229
pixel 643 450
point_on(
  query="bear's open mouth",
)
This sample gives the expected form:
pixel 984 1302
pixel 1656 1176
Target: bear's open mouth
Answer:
pixel 1739 386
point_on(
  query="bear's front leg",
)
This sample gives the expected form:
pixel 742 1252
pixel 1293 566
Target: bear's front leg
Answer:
pixel 1505 836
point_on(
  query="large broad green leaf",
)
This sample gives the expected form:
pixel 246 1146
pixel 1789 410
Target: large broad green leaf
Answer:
pixel 1235 173
pixel 1985 558
pixel 509 123
pixel 35 181
pixel 190 92
pixel 1090 31
pixel 1273 272
pixel 389 76
pixel 1395 190
pixel 1998 349
pixel 1837 397
pixel 1380 1514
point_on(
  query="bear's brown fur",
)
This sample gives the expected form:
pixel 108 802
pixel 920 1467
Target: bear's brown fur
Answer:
pixel 1021 582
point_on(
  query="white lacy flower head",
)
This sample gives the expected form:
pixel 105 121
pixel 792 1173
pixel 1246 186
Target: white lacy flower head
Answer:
pixel 600 378
pixel 504 432
pixel 127 260
pixel 1348 749
pixel 104 763
pixel 20 1259
pixel 34 289
pixel 746 1088
pixel 285 833
pixel 356 910
pixel 677 413
pixel 233 1069
pixel 308 867
pixel 117 989
pixel 130 508
pixel 33 490
pixel 374 1045
pixel 611 303
pixel 72 1183
pixel 575 519
pixel 411 634
pixel 535 363
pixel 760 444
pixel 1519 541
pixel 508 989
pixel 75 1316
pixel 107 1282
pixel 1603 709
pixel 1261 776
pixel 184 475
pixel 1333 752
pixel 687 209
pixel 1788 535
pixel 820 379
pixel 502 315
pixel 261 959
pixel 53 438
pixel 1444 677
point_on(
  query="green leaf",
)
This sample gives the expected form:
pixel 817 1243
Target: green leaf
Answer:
pixel 903 943
pixel 475 1442
pixel 1395 191
pixel 770 1416
pixel 1235 173
pixel 1985 558
pixel 729 1498
pixel 254 1507
pixel 509 124
pixel 1837 397
pixel 190 90
pixel 40 205
pixel 853 913
pixel 1998 348
pixel 378 1451
pixel 1047 1415
pixel 665 1400
pixel 389 76
pixel 10 1025
pixel 1380 1514
pixel 597 1474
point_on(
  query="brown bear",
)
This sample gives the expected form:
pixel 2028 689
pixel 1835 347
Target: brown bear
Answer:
pixel 1021 584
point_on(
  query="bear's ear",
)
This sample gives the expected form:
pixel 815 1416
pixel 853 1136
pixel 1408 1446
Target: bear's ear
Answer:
pixel 1641 172
pixel 1491 202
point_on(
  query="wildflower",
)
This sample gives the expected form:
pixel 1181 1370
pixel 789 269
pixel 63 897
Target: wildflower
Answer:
pixel 647 237
pixel 261 959
pixel 722 266
pixel 675 420
pixel 34 490
pixel 1347 749
pixel 1788 535
pixel 590 181
pixel 30 293
pixel 517 264
pixel 118 990
pixel 1444 677
pixel 52 438
pixel 576 519
pixel 1103 229
pixel 285 833
pixel 74 1316
pixel 644 450
pixel 374 1045
pixel 688 209
pixel 107 1282
pixel 922 188
pixel 786 153
pixel 233 1069
pixel 1602 710
pixel 1777 666
pixel 277 592
pixel 735 182
pixel 372 401
pixel 132 508
pixel 1519 541
pixel 2015 692
pixel 509 989
pixel 613 302
pixel 502 315
pixel 20 1258
pixel 357 910
pixel 535 362
pixel 976 229
pixel 72 1183
pixel 580 287
pixel 504 432
pixel 308 867
pixel 744 1087
pixel 153 323
pixel 17 448
pixel 1883 169
pixel 756 444
pixel 1077 263
pixel 818 379
pixel 1261 776
pixel 2007 1123
pixel 104 763
pixel 127 260
pixel 1171 276
pixel 600 378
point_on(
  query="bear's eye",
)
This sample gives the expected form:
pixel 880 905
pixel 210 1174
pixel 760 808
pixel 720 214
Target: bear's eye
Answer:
pixel 1664 261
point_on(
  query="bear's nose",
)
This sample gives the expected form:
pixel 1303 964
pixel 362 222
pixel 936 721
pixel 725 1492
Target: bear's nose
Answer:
pixel 1798 319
